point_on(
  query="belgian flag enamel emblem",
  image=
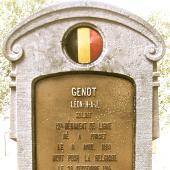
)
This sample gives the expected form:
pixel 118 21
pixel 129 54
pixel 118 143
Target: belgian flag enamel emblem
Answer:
pixel 83 45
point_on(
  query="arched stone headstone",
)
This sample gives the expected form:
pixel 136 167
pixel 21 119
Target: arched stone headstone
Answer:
pixel 83 94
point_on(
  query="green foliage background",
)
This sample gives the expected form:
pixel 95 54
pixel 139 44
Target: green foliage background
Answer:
pixel 13 11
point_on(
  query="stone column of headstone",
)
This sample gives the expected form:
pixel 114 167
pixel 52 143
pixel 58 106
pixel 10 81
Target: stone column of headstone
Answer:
pixel 155 125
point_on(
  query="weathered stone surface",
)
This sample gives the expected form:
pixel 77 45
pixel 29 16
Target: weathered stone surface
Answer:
pixel 131 46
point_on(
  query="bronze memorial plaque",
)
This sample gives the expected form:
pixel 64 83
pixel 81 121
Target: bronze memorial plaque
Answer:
pixel 84 121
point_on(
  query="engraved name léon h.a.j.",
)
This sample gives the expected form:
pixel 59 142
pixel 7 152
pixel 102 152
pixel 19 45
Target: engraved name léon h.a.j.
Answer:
pixel 96 132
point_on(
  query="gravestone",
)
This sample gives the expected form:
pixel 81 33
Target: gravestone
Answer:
pixel 84 88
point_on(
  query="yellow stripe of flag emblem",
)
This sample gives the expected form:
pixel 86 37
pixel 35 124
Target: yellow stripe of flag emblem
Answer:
pixel 83 45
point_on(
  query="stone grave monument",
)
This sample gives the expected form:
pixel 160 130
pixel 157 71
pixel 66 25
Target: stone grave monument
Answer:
pixel 84 88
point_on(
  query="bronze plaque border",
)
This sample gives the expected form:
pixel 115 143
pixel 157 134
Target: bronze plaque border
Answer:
pixel 33 85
